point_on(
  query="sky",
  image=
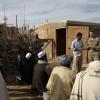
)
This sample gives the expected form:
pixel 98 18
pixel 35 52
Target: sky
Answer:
pixel 38 11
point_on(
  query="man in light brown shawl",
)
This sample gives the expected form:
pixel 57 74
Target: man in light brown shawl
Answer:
pixel 61 80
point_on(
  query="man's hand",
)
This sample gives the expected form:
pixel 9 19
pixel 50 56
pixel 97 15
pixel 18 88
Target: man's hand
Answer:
pixel 93 47
pixel 88 47
pixel 80 49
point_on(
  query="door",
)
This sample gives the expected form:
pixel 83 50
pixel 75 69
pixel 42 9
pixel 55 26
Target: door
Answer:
pixel 61 41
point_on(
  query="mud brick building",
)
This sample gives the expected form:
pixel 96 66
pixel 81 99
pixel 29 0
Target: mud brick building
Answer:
pixel 59 35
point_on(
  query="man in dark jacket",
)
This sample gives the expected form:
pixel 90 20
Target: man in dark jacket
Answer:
pixel 37 44
pixel 26 61
pixel 27 67
pixel 42 71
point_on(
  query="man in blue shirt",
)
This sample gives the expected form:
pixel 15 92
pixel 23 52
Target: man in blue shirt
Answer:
pixel 77 48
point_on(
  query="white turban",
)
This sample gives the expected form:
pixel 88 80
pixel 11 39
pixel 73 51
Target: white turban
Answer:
pixel 28 55
pixel 41 54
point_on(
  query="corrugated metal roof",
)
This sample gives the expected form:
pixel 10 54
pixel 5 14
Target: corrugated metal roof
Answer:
pixel 69 22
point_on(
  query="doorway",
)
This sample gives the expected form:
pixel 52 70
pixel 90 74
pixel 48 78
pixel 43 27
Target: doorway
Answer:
pixel 61 41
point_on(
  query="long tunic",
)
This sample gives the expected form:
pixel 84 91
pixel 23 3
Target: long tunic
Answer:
pixel 41 76
pixel 27 69
pixel 87 84
pixel 60 83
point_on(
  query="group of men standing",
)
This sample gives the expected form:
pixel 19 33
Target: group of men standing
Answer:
pixel 92 45
pixel 86 86
pixel 60 80
pixel 28 58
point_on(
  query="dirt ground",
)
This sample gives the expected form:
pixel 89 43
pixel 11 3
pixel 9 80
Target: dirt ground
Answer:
pixel 21 92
